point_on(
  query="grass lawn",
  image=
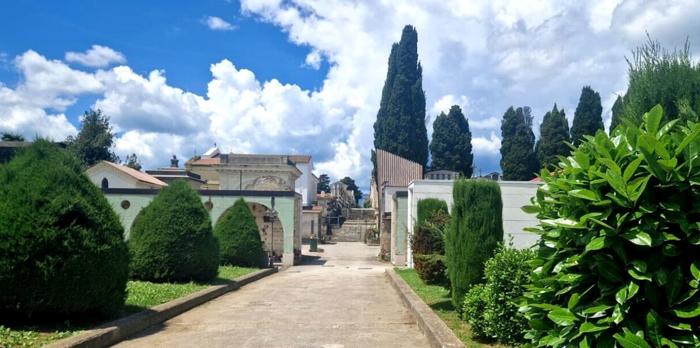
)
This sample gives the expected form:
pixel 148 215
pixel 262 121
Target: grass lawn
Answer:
pixel 141 295
pixel 438 298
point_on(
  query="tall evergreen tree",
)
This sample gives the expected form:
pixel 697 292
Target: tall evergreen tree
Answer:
pixel 350 182
pixel 94 142
pixel 554 134
pixel 324 184
pixel 133 162
pixel 518 159
pixel 400 126
pixel 451 146
pixel 588 117
pixel 617 110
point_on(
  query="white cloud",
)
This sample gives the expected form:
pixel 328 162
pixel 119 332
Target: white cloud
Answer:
pixel 217 23
pixel 96 57
pixel 484 145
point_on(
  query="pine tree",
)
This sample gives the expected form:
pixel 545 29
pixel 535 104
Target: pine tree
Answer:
pixel 588 116
pixel 554 134
pixel 324 183
pixel 617 110
pixel 518 159
pixel 451 146
pixel 94 142
pixel 400 126
pixel 133 162
pixel 350 182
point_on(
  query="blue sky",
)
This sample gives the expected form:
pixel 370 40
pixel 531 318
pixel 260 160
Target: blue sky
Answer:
pixel 305 76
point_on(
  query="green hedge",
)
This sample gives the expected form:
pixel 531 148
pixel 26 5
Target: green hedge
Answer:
pixel 427 208
pixel 431 269
pixel 172 239
pixel 62 249
pixel 239 238
pixel 493 308
pixel 476 229
pixel 620 237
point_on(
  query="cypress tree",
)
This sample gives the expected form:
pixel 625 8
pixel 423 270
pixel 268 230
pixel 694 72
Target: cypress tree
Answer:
pixel 476 229
pixel 451 146
pixel 554 134
pixel 617 111
pixel 588 116
pixel 400 126
pixel 518 159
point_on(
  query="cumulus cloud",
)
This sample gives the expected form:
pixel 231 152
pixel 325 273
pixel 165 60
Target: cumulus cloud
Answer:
pixel 96 57
pixel 217 23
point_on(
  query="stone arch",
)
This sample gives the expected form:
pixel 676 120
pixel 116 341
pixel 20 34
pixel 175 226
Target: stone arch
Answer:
pixel 271 231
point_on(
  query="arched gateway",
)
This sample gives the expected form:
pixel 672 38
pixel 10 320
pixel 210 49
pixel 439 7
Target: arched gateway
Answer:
pixel 283 225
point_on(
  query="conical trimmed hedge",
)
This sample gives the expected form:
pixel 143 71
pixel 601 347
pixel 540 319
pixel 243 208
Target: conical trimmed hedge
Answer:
pixel 62 249
pixel 172 238
pixel 239 238
pixel 475 231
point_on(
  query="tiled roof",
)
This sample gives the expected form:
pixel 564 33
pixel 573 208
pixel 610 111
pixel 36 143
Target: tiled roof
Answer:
pixel 206 161
pixel 393 170
pixel 140 176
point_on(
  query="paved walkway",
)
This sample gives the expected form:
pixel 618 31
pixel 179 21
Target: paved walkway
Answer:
pixel 341 299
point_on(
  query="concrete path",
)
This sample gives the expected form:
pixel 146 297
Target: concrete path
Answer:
pixel 340 298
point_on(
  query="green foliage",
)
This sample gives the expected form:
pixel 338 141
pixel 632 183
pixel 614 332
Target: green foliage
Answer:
pixel 554 136
pixel 239 238
pixel 94 142
pixel 172 239
pixel 518 158
pixel 350 182
pixel 133 162
pixel 62 249
pixel 588 116
pixel 427 208
pixel 492 307
pixel 400 126
pixel 620 235
pixel 475 312
pixel 476 229
pixel 324 183
pixel 451 146
pixel 427 238
pixel 6 136
pixel 431 268
pixel 618 110
pixel 657 76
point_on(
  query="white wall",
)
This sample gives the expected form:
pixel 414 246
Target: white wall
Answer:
pixel 514 194
pixel 304 185
pixel 115 178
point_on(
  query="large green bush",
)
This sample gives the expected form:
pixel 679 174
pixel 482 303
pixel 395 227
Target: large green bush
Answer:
pixel 427 208
pixel 62 249
pixel 239 238
pixel 431 269
pixel 172 239
pixel 620 237
pixel 494 307
pixel 476 229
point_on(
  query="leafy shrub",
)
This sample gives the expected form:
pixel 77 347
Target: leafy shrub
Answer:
pixel 474 310
pixel 476 229
pixel 62 249
pixel 172 238
pixel 617 263
pixel 427 208
pixel 506 273
pixel 431 268
pixel 427 239
pixel 239 238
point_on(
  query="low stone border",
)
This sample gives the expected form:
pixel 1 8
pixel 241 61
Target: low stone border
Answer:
pixel 115 331
pixel 438 334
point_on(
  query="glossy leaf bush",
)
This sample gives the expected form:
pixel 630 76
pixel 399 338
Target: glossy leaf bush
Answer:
pixel 618 261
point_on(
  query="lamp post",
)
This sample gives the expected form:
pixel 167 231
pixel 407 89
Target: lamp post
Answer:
pixel 271 215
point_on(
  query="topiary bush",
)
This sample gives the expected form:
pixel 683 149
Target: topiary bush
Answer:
pixel 62 249
pixel 497 312
pixel 427 208
pixel 617 264
pixel 427 239
pixel 172 239
pixel 239 238
pixel 476 229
